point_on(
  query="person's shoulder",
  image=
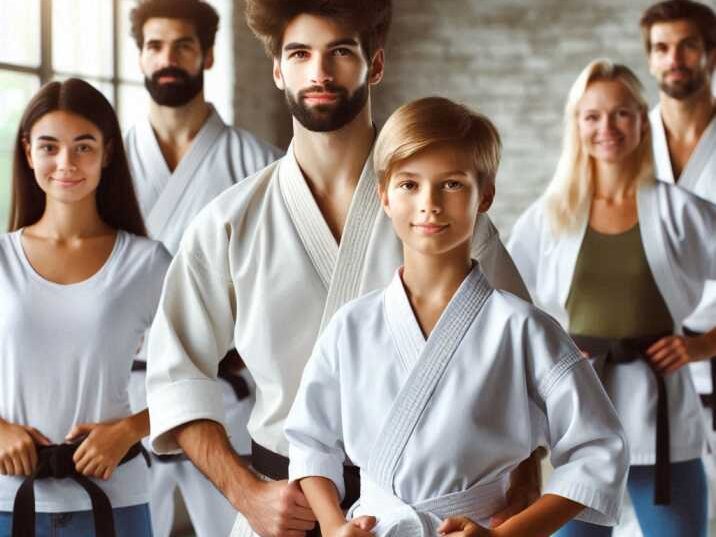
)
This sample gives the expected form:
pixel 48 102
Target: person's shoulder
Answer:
pixel 223 216
pixel 520 313
pixel 152 251
pixel 361 312
pixel 253 142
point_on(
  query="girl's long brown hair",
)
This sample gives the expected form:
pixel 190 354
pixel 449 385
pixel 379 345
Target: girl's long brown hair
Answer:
pixel 116 202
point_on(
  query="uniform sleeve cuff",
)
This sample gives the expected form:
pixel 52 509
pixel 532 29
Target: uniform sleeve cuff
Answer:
pixel 179 403
pixel 315 464
pixel 600 507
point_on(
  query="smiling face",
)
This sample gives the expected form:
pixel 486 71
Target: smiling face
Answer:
pixel 324 73
pixel 433 200
pixel 678 58
pixel 66 153
pixel 172 61
pixel 611 123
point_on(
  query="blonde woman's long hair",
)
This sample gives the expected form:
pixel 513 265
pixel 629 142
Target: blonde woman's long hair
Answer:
pixel 570 192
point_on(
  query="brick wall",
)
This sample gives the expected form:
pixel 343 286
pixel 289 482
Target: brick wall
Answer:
pixel 513 59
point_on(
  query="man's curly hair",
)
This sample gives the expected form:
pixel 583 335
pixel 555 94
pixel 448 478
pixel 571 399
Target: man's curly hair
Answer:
pixel 371 18
pixel 201 14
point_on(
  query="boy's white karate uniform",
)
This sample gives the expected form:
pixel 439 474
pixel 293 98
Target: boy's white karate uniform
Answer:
pixel 219 156
pixel 259 269
pixel 699 177
pixel 677 230
pixel 437 425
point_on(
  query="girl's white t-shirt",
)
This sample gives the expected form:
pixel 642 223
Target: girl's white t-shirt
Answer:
pixel 66 353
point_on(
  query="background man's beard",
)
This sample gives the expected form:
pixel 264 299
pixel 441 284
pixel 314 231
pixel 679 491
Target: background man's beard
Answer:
pixel 684 88
pixel 328 118
pixel 177 93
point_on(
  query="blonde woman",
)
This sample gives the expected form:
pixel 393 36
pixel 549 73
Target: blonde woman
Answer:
pixel 620 260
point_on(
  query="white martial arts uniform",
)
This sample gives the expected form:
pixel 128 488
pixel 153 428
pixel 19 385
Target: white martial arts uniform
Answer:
pixel 66 353
pixel 699 177
pixel 219 157
pixel 677 230
pixel 260 270
pixel 437 425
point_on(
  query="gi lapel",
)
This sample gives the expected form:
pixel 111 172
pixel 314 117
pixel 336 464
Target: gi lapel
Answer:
pixel 340 267
pixel 156 172
pixel 662 159
pixel 403 327
pixel 692 172
pixel 699 159
pixel 413 398
pixel 174 189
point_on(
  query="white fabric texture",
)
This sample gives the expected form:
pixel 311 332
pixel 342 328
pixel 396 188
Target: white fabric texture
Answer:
pixel 254 270
pixel 699 177
pixel 220 156
pixel 448 418
pixel 677 230
pixel 66 353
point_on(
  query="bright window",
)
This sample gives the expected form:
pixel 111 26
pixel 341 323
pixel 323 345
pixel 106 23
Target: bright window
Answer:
pixel 43 40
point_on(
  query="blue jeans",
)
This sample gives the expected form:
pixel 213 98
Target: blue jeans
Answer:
pixel 130 521
pixel 687 514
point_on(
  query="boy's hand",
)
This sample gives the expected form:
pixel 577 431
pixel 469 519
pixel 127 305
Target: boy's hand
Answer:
pixel 462 527
pixel 358 527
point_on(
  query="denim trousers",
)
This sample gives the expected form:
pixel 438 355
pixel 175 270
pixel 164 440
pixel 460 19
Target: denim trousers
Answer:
pixel 686 516
pixel 133 521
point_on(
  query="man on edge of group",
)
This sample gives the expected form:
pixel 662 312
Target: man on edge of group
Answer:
pixel 268 262
pixel 181 156
pixel 680 40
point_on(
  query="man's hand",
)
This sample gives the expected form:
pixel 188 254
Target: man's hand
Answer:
pixel 462 527
pixel 671 353
pixel 525 488
pixel 358 527
pixel 103 447
pixel 278 509
pixel 18 454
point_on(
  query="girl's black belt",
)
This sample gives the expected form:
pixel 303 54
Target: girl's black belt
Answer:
pixel 56 462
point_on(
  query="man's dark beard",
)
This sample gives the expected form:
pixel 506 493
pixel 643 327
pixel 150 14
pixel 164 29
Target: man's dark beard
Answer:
pixel 685 88
pixel 328 117
pixel 176 93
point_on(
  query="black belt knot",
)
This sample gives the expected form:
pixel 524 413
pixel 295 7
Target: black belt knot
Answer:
pixel 56 462
pixel 629 350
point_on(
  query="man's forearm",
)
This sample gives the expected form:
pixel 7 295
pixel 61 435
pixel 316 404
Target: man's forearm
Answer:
pixel 206 444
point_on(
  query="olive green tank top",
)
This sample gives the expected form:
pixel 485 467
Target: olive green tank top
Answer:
pixel 613 292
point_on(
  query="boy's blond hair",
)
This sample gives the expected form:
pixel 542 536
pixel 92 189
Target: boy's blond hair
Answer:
pixel 436 121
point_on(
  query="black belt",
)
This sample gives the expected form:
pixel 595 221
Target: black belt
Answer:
pixel 227 371
pixel 707 399
pixel 56 461
pixel 275 466
pixel 625 351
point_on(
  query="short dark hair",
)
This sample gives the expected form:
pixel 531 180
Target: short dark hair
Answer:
pixel 204 18
pixel 116 201
pixel 701 15
pixel 268 19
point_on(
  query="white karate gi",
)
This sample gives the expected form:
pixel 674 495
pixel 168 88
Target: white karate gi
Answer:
pixel 437 425
pixel 699 177
pixel 219 157
pixel 677 230
pixel 260 270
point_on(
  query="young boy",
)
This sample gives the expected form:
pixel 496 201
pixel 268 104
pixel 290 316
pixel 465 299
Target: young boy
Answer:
pixel 439 385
